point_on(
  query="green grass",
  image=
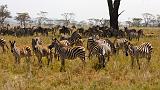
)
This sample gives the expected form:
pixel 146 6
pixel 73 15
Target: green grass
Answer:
pixel 117 75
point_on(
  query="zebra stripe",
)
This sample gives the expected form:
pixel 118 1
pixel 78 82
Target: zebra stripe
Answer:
pixel 98 48
pixel 142 51
pixel 73 39
pixel 41 51
pixel 19 52
pixel 119 44
pixel 68 53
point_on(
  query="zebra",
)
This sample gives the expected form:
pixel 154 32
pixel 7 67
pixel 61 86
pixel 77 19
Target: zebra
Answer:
pixel 107 46
pixel 64 43
pixel 3 44
pixel 36 40
pixel 73 39
pixel 144 50
pixel 130 33
pixel 67 53
pixel 20 52
pixel 100 48
pixel 136 34
pixel 41 51
pixel 140 33
pixel 79 42
pixel 119 43
pixel 64 30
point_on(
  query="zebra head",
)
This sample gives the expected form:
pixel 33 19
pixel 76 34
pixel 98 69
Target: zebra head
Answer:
pixel 54 43
pixel 12 45
pixel 128 48
pixel 36 41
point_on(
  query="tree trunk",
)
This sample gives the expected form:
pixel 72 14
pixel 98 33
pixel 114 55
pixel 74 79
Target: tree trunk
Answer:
pixel 113 13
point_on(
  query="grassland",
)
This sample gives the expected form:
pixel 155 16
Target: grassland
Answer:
pixel 117 75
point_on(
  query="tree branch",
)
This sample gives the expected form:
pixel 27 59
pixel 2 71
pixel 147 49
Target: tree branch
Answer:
pixel 120 13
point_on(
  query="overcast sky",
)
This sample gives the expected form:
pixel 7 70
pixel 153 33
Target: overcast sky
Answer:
pixel 84 9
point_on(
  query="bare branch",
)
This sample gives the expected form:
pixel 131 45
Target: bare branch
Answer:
pixel 121 13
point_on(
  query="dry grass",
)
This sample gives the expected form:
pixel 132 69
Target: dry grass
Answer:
pixel 116 76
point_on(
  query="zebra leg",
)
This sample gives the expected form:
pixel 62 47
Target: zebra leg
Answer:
pixel 149 58
pixel 103 61
pixel 138 63
pixel 108 56
pixel 138 37
pixel 40 60
pixel 62 65
pixel 132 60
pixel 49 59
pixel 4 50
pixel 117 51
pixel 89 55
pixel 18 59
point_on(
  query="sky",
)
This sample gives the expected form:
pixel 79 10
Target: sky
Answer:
pixel 83 9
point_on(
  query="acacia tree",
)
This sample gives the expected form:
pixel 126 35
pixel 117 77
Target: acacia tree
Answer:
pixel 22 18
pixel 147 18
pixel 137 21
pixel 158 20
pixel 129 23
pixel 4 13
pixel 41 17
pixel 113 13
pixel 68 17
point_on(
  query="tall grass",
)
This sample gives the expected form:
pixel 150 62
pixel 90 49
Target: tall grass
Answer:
pixel 117 75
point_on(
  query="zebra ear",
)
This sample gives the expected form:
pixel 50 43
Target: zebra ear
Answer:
pixel 14 41
pixel 54 39
pixel 10 42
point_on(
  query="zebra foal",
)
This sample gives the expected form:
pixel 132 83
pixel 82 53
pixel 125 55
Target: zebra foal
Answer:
pixel 41 51
pixel 20 52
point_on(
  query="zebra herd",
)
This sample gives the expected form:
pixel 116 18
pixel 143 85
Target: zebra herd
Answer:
pixel 73 47
pixel 102 31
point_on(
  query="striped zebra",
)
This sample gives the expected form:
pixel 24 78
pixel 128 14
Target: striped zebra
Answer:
pixel 132 33
pixel 107 46
pixel 20 52
pixel 101 48
pixel 41 51
pixel 136 52
pixel 79 42
pixel 119 44
pixel 68 53
pixel 3 44
pixel 64 43
pixel 73 39
pixel 36 40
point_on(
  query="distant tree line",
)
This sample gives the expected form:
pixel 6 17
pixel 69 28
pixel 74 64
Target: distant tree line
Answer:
pixel 24 18
pixel 147 20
